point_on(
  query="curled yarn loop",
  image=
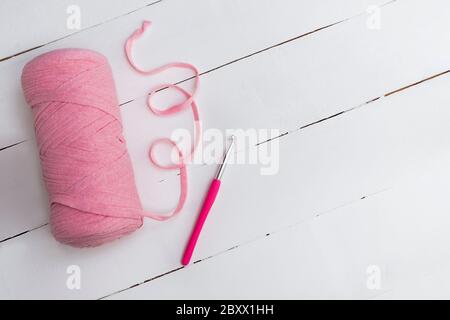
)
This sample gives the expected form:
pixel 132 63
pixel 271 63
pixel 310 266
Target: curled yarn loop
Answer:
pixel 176 108
pixel 85 162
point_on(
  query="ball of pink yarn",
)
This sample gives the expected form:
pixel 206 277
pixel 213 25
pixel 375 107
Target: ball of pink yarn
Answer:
pixel 85 163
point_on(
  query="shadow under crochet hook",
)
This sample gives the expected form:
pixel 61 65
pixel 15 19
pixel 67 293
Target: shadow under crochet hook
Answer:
pixel 207 204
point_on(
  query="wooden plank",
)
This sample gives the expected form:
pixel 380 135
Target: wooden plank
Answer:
pixel 254 94
pixel 397 237
pixel 22 194
pixel 206 33
pixel 372 149
pixel 34 25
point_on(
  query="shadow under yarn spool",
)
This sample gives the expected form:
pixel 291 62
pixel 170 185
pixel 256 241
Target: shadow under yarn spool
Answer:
pixel 85 163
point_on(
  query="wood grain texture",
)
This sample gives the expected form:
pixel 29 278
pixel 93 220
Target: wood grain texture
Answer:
pixel 363 164
pixel 205 33
pixel 330 256
pixel 26 26
pixel 259 84
pixel 248 74
pixel 358 143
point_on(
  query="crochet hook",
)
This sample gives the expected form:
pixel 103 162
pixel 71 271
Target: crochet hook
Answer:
pixel 207 204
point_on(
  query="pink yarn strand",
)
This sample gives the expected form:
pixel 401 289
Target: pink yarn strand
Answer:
pixel 188 102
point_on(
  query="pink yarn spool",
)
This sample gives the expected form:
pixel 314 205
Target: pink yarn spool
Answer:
pixel 85 163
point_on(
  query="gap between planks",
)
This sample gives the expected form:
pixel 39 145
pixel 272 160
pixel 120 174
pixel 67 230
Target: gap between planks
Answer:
pixel 295 130
pixel 258 238
pixel 231 62
pixel 76 32
pixel 318 215
pixel 266 141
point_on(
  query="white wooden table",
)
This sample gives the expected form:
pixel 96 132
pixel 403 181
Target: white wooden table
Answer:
pixel 359 206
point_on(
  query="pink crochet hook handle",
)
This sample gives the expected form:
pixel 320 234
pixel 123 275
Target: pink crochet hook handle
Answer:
pixel 206 207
